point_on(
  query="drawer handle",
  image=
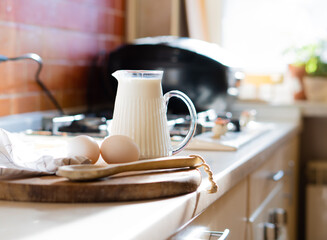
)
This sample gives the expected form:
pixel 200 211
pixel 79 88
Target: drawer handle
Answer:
pixel 269 231
pixel 278 216
pixel 278 176
pixel 222 235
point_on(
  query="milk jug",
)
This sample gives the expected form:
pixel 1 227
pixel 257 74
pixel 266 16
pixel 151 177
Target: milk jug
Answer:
pixel 140 112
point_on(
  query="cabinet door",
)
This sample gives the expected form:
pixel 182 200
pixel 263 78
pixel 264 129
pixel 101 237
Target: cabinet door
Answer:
pixel 277 176
pixel 260 226
pixel 228 212
pixel 290 186
pixel 264 179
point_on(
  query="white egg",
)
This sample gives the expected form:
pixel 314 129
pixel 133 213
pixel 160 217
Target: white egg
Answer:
pixel 119 149
pixel 84 146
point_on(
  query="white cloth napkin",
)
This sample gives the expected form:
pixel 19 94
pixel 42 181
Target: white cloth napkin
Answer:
pixel 18 159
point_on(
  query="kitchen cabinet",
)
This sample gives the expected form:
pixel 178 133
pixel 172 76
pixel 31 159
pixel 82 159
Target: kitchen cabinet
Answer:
pixel 260 226
pixel 263 180
pixel 291 182
pixel 228 212
pixel 145 19
pixel 313 148
pixel 272 191
pixel 250 207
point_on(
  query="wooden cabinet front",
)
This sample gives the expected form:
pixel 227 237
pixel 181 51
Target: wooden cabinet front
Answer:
pixel 228 212
pixel 247 206
pixel 278 174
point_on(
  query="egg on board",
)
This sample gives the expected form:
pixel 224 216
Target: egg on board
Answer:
pixel 119 149
pixel 85 146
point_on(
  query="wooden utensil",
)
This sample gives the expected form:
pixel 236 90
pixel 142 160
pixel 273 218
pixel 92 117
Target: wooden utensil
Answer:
pixel 130 186
pixel 90 172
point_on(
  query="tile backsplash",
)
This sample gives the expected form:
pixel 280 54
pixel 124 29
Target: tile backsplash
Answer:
pixel 67 34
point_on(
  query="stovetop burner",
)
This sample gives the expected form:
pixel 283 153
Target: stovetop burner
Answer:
pixel 96 125
pixel 76 125
pixel 179 124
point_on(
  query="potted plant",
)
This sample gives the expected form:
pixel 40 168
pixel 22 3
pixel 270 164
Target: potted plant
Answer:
pixel 315 80
pixel 310 67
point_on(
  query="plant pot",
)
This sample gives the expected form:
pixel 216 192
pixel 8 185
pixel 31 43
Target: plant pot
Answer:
pixel 315 88
pixel 298 72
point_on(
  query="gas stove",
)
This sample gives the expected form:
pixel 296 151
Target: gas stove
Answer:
pixel 179 124
pixel 97 126
pixel 72 125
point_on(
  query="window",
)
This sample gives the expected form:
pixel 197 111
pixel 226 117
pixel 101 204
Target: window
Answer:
pixel 258 31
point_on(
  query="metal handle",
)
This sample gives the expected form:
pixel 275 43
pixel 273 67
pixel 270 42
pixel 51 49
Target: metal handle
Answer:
pixel 278 216
pixel 222 235
pixel 277 176
pixel 269 231
pixel 200 232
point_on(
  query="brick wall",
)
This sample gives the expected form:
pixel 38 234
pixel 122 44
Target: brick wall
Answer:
pixel 67 34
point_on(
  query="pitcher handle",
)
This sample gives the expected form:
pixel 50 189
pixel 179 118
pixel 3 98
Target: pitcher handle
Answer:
pixel 191 108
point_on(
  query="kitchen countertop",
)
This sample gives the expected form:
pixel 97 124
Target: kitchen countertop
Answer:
pixel 307 108
pixel 152 219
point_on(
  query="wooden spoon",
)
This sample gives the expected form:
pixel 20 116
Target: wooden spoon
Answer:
pixel 90 172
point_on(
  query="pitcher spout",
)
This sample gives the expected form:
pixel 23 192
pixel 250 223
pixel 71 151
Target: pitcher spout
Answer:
pixel 117 74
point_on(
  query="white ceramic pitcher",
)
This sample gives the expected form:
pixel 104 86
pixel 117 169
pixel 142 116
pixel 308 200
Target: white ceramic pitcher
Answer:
pixel 140 112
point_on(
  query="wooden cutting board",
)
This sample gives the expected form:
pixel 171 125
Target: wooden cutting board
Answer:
pixel 121 187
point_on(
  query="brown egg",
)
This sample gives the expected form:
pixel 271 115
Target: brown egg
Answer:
pixel 119 149
pixel 85 146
